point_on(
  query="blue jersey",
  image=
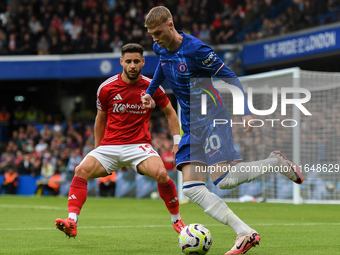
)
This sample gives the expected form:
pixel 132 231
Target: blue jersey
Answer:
pixel 189 70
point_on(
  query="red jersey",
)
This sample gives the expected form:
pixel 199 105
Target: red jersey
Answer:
pixel 127 119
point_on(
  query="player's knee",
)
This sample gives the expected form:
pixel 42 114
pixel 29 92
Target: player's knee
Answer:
pixel 162 176
pixel 82 172
pixel 195 192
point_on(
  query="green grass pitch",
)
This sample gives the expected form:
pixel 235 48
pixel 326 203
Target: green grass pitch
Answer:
pixel 142 227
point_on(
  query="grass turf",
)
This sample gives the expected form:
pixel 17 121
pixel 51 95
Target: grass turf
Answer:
pixel 138 227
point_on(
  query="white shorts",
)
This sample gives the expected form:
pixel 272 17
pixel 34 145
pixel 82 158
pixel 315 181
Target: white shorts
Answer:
pixel 114 157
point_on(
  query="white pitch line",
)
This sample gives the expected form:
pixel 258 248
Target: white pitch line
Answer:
pixel 165 226
pixel 41 207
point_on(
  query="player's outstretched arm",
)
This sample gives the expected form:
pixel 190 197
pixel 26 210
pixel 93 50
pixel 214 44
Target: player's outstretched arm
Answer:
pixel 157 80
pixel 171 115
pixel 99 127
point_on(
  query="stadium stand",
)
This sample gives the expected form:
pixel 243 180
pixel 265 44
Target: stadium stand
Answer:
pixel 68 27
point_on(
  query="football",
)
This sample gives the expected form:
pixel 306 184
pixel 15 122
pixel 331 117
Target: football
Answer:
pixel 195 239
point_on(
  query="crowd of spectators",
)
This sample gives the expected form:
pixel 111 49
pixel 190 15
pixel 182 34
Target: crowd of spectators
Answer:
pixel 87 26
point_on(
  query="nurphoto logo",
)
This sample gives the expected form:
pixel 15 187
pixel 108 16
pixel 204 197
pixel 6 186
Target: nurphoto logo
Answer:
pixel 238 105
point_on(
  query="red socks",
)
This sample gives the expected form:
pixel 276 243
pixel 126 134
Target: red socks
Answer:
pixel 168 193
pixel 77 195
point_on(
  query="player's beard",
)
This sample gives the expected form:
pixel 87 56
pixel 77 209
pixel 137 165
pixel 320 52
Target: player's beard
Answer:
pixel 132 77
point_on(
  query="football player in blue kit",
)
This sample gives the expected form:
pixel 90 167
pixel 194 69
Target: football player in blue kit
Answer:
pixel 188 65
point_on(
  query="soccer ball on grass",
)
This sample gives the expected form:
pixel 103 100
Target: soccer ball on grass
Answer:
pixel 195 239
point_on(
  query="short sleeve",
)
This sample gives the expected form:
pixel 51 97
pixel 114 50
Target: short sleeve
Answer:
pixel 161 98
pixel 101 102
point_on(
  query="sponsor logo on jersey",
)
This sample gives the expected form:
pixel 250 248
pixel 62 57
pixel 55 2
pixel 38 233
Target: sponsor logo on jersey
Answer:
pixel 182 67
pixel 118 97
pixel 163 63
pixel 130 108
pixel 209 60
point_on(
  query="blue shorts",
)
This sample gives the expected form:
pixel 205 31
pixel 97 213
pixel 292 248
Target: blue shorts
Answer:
pixel 209 145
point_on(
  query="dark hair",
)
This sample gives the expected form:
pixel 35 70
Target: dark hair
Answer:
pixel 132 47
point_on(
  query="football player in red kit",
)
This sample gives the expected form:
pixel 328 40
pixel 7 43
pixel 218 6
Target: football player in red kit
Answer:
pixel 122 138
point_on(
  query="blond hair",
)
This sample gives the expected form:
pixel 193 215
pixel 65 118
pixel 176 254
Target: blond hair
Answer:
pixel 156 16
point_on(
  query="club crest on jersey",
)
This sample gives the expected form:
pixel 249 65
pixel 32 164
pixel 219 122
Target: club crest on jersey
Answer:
pixel 142 93
pixel 182 67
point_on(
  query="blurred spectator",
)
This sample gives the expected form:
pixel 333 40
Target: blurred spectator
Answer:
pixel 57 127
pixel 217 22
pixel 195 30
pixel 40 147
pixel 75 159
pixel 45 22
pixel 227 10
pixel 89 146
pixel 50 186
pixel 107 185
pixel 136 33
pixel 225 32
pixel 166 155
pixel 55 46
pixel 3 43
pixel 116 44
pixel 7 158
pixel 19 157
pixel 10 181
pixel 12 44
pixel 65 46
pixel 27 46
pixel 45 130
pixel 237 17
pixel 54 184
pixel 25 167
pixel 47 170
pixel 32 114
pixel 93 43
pixel 204 34
pixel 4 116
pixel 250 14
pixel 104 45
pixel 43 46
pixel 67 24
pixel 57 24
pixel 308 12
pixel 19 116
pixel 34 25
pixel 76 28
